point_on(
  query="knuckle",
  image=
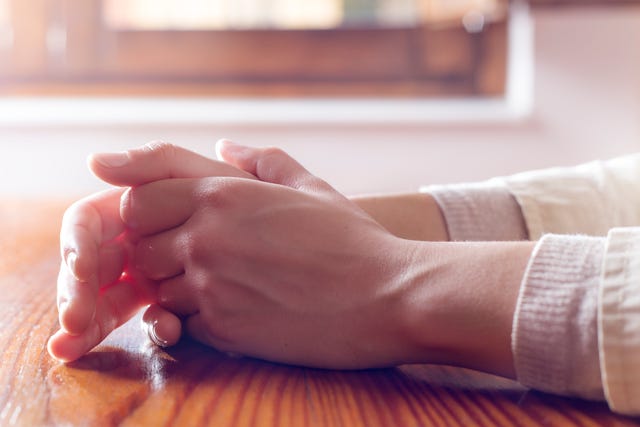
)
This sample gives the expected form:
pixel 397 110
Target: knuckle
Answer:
pixel 273 151
pixel 201 259
pixel 160 149
pixel 196 281
pixel 193 246
pixel 272 155
pixel 218 192
pixel 208 192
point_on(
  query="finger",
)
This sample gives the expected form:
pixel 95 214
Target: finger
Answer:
pixel 174 295
pixel 76 302
pixel 76 299
pixel 67 348
pixel 158 206
pixel 111 262
pixel 157 161
pixel 198 327
pixel 116 304
pixel 163 327
pixel 85 226
pixel 160 257
pixel 270 165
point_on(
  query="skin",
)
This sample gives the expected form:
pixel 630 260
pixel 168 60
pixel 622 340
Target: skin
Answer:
pixel 259 257
pixel 412 216
pixel 93 239
pixel 98 286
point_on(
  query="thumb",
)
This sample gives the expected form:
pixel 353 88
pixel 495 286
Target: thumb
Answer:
pixel 156 161
pixel 270 165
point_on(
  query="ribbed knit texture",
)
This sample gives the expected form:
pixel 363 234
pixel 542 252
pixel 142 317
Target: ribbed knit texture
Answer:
pixel 555 342
pixel 619 321
pixel 480 212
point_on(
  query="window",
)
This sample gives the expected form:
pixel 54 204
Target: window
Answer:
pixel 222 15
pixel 407 48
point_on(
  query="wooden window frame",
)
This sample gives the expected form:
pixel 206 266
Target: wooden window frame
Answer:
pixel 427 61
pixel 542 3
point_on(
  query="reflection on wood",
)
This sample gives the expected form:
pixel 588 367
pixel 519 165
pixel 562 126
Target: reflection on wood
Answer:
pixel 127 381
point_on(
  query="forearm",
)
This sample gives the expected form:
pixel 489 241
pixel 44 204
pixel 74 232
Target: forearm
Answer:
pixel 462 212
pixel 412 216
pixel 458 298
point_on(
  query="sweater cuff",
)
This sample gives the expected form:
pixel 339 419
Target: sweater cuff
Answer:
pixel 619 321
pixel 485 211
pixel 554 339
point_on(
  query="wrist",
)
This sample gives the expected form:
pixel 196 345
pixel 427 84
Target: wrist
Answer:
pixel 458 302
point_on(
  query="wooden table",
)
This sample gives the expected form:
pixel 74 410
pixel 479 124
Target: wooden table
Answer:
pixel 128 381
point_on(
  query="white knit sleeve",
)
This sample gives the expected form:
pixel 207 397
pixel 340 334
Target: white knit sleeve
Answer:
pixel 484 211
pixel 619 321
pixel 587 199
pixel 554 338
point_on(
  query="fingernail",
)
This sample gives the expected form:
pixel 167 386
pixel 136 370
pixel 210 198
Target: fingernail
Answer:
pixel 71 259
pixel 225 141
pixel 126 206
pixel 62 306
pixel 112 160
pixel 229 147
pixel 221 142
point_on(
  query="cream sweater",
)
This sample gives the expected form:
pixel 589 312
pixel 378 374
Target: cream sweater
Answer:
pixel 576 330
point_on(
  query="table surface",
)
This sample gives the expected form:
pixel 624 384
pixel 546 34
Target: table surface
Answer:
pixel 128 381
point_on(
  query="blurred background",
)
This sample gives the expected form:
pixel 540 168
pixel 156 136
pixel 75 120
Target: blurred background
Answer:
pixel 372 95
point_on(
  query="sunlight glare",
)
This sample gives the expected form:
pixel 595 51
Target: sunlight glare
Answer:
pixel 222 14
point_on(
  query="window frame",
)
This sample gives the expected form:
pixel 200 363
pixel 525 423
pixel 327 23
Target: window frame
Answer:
pixel 427 61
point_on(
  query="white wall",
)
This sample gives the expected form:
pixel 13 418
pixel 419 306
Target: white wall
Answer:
pixel 587 105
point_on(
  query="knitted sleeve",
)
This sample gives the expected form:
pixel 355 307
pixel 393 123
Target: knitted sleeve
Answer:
pixel 485 211
pixel 588 199
pixel 619 321
pixel 555 340
pixel 578 290
pixel 576 330
pixel 554 335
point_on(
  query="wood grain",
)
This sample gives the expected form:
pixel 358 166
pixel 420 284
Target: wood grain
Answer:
pixel 127 381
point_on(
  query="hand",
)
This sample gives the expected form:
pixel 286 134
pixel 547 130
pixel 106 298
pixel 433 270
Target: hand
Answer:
pixel 286 269
pixel 98 289
pixel 289 270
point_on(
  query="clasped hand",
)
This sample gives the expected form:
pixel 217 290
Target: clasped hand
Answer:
pixel 252 255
